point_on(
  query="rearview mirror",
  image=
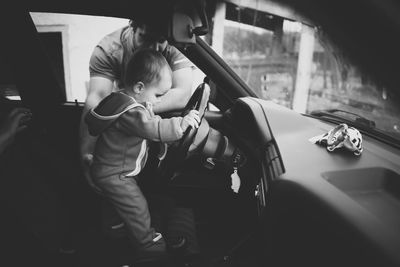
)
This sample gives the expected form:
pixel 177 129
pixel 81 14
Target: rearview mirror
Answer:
pixel 181 30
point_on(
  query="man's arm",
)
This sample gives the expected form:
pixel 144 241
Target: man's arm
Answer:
pixel 179 95
pixel 99 88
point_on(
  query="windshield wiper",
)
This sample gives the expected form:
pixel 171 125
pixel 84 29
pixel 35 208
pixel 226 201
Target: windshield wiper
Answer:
pixel 358 121
pixel 364 125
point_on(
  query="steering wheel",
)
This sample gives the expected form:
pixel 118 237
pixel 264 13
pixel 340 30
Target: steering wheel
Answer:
pixel 177 154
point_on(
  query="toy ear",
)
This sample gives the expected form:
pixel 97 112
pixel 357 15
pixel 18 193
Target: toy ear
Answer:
pixel 356 140
pixel 336 135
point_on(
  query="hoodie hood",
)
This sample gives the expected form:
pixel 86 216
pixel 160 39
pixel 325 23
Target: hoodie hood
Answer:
pixel 107 111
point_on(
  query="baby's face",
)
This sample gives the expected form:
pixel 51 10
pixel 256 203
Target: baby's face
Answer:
pixel 154 91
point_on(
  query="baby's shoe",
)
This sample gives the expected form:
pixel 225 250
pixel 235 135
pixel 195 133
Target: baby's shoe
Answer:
pixel 155 251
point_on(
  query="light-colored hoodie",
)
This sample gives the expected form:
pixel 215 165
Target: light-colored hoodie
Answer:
pixel 125 127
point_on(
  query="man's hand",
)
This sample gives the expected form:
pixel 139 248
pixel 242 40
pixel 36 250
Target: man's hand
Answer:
pixel 192 119
pixel 87 161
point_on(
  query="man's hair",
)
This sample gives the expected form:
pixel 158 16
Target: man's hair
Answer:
pixel 135 24
pixel 154 31
pixel 144 66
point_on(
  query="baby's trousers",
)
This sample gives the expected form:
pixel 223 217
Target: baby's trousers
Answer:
pixel 128 200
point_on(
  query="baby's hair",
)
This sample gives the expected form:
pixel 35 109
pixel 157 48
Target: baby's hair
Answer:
pixel 144 66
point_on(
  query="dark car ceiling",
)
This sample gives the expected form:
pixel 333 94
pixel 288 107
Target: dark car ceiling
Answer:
pixel 367 30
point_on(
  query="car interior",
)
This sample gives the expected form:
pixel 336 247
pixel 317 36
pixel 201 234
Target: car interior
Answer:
pixel 297 204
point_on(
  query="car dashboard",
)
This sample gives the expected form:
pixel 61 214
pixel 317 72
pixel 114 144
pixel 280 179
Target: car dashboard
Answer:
pixel 317 201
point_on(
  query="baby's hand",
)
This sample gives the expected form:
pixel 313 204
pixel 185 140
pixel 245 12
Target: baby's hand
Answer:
pixel 191 119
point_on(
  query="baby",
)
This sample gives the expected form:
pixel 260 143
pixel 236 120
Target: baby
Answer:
pixel 125 123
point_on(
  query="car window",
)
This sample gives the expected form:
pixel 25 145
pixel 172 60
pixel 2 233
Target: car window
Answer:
pixel 296 65
pixel 68 41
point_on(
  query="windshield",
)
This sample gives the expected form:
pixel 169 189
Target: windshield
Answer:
pixel 295 65
pixel 282 60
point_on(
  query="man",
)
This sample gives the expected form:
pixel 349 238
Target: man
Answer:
pixel 107 70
